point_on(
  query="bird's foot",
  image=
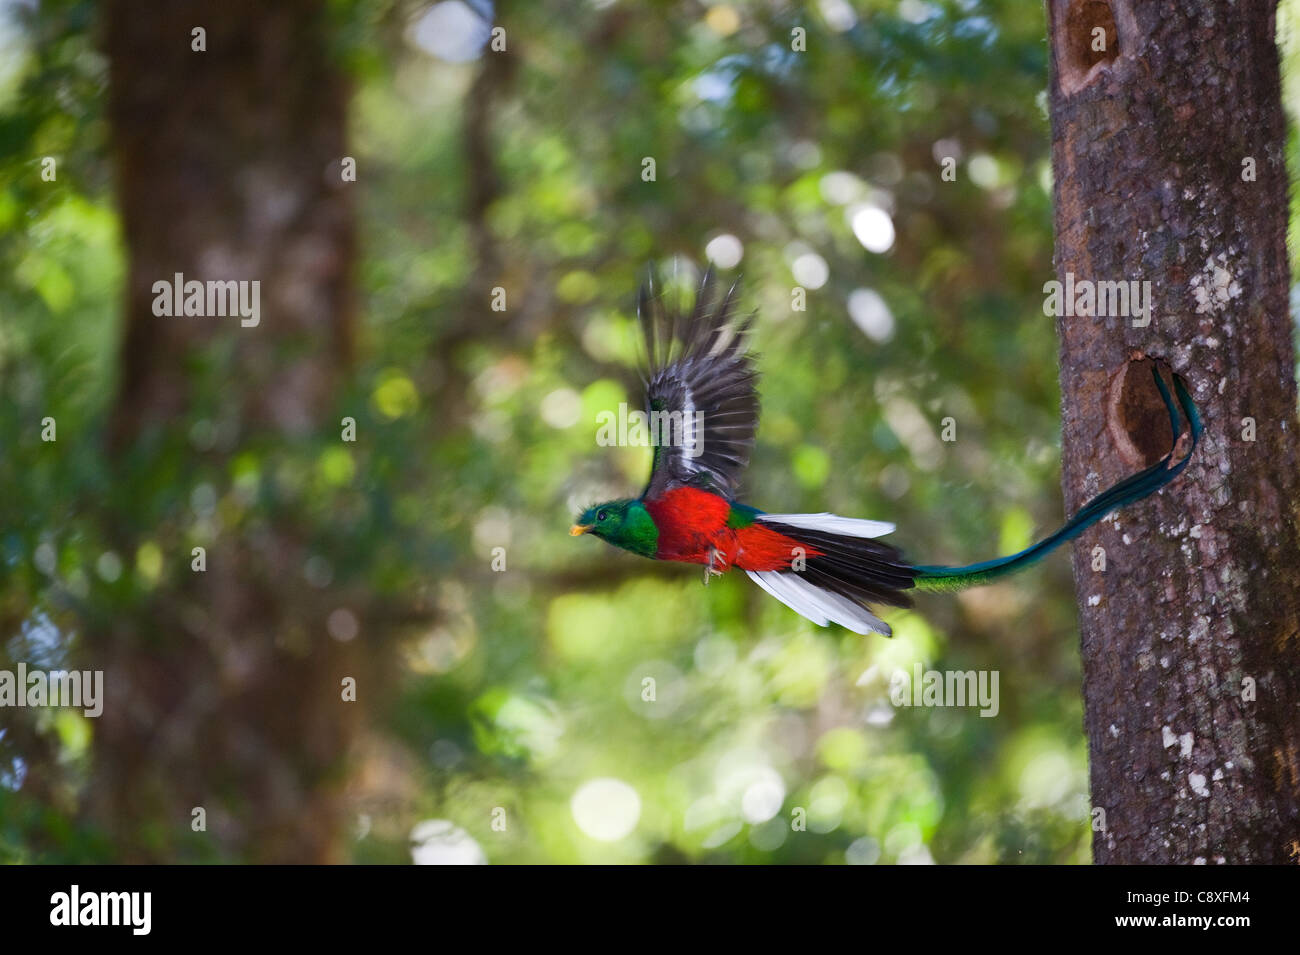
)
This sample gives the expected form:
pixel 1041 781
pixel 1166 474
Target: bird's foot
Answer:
pixel 716 565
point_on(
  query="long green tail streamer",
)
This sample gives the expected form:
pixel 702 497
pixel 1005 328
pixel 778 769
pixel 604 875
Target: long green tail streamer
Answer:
pixel 1131 489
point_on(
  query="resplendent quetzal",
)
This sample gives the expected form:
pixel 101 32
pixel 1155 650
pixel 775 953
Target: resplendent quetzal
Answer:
pixel 827 568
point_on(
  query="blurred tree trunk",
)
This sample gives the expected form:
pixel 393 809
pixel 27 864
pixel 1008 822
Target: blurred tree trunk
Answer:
pixel 223 687
pixel 1168 153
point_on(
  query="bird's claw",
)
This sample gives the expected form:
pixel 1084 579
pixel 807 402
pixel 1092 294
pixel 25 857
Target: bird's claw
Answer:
pixel 710 570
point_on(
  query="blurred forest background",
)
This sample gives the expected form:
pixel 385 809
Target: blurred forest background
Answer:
pixel 505 720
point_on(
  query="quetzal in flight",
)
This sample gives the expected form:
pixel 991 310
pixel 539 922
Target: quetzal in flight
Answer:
pixel 829 569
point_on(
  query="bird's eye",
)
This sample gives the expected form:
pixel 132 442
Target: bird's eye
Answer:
pixel 601 515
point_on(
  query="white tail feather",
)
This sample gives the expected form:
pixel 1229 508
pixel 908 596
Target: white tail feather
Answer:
pixel 832 524
pixel 820 606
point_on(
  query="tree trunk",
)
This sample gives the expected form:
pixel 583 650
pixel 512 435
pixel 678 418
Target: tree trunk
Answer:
pixel 1168 152
pixel 222 685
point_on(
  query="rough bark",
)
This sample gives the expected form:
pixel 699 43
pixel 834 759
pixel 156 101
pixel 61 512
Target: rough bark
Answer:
pixel 1189 637
pixel 223 686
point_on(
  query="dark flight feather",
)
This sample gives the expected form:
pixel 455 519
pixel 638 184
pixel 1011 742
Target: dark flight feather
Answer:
pixel 698 364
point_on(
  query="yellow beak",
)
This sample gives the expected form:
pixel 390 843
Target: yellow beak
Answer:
pixel 577 530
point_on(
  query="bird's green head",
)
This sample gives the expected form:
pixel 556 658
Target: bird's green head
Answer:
pixel 625 524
